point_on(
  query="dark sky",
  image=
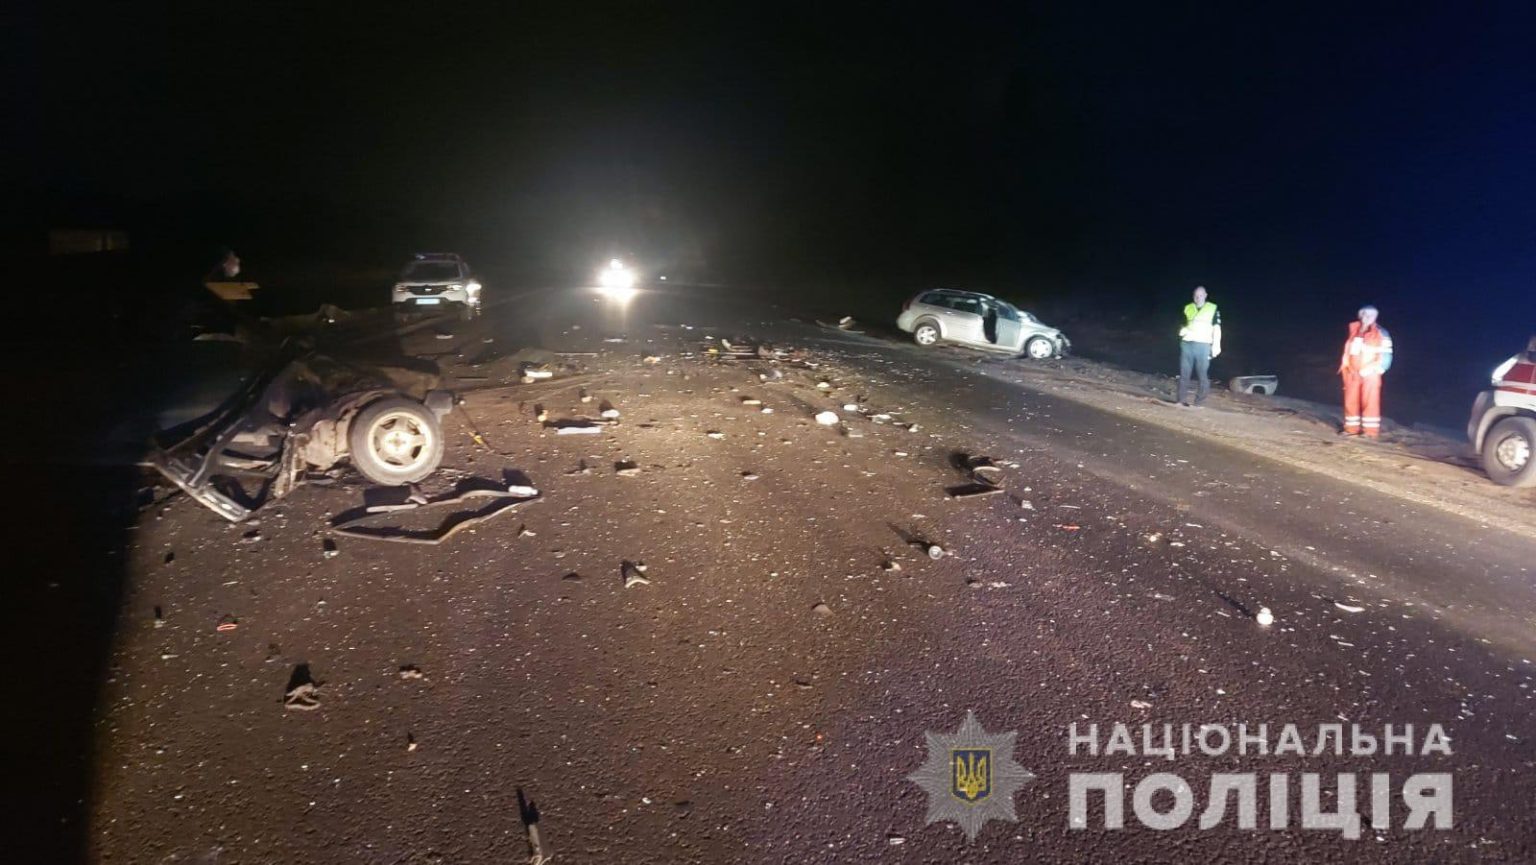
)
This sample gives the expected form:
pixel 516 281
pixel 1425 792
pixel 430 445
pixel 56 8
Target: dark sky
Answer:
pixel 1288 152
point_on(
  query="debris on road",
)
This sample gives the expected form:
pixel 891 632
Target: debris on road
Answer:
pixel 575 427
pixel 410 672
pixel 634 574
pixel 227 623
pixel 1140 704
pixel 510 496
pixel 626 468
pixel 822 610
pixel 827 418
pixel 970 491
pixel 1265 617
pixel 1349 608
pixel 935 552
pixel 303 692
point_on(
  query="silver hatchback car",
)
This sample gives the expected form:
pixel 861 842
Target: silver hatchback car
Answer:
pixel 981 321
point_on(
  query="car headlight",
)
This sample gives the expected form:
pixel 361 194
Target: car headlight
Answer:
pixel 617 277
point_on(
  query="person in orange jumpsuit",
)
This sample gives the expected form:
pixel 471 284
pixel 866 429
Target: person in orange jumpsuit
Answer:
pixel 1367 357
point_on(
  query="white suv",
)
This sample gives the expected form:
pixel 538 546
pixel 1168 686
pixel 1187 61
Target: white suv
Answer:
pixel 436 279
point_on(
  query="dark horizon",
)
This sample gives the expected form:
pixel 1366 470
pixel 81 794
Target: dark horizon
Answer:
pixel 1298 159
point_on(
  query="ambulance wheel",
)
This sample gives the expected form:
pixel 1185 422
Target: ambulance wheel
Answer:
pixel 1509 452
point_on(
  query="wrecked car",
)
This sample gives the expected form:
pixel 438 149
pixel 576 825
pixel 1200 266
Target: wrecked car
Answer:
pixel 306 412
pixel 982 321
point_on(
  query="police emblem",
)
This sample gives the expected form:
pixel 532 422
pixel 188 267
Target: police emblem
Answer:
pixel 970 776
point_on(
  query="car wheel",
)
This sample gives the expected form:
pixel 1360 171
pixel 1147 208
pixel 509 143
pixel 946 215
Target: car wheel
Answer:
pixel 1039 348
pixel 926 333
pixel 1509 452
pixel 396 441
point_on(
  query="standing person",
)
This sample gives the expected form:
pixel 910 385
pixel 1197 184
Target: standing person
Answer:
pixel 1367 357
pixel 1199 341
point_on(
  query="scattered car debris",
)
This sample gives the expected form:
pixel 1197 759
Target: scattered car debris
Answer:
pixel 227 623
pixel 935 552
pixel 411 672
pixel 1262 385
pixel 822 610
pixel 508 498
pixel 569 428
pixel 1349 608
pixel 1265 618
pixel 303 692
pixel 975 490
pixel 1140 704
pixel 626 468
pixel 634 574
pixel 827 418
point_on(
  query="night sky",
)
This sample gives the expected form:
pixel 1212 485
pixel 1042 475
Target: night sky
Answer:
pixel 1309 158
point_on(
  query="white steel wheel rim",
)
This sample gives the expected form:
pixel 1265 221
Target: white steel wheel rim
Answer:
pixel 1039 349
pixel 927 335
pixel 1513 452
pixel 400 440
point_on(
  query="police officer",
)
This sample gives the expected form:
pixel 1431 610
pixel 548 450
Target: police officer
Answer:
pixel 1199 342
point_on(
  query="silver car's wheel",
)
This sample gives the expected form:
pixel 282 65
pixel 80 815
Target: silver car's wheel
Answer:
pixel 1039 348
pixel 925 334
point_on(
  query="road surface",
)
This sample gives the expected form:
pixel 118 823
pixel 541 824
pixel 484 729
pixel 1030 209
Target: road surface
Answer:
pixel 765 696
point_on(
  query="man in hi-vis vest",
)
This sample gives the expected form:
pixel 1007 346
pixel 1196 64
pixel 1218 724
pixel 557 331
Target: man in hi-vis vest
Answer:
pixel 1367 357
pixel 1199 341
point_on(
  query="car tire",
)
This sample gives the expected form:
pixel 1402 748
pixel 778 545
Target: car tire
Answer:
pixel 927 333
pixel 1039 348
pixel 1509 452
pixel 395 441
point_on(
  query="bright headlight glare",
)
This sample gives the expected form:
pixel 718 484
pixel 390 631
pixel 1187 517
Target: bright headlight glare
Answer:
pixel 620 293
pixel 617 278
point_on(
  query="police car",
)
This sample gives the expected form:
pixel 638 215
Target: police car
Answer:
pixel 1503 423
pixel 434 280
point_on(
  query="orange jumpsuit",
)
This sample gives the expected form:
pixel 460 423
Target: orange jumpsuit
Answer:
pixel 1367 356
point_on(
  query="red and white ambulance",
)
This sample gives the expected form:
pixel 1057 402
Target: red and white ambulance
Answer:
pixel 1503 424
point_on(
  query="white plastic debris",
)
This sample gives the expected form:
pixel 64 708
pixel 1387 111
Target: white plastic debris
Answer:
pixel 1265 617
pixel 827 418
pixel 1348 608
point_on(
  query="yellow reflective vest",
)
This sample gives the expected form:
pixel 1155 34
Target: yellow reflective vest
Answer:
pixel 1200 323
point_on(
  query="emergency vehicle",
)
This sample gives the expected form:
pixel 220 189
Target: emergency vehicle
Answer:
pixel 1503 423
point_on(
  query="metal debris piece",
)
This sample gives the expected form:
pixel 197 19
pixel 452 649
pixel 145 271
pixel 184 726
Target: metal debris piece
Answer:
pixel 511 497
pixel 303 697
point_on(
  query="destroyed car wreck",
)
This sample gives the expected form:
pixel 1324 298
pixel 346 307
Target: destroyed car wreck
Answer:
pixel 306 414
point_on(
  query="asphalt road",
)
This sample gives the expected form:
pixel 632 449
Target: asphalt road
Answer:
pixel 766 696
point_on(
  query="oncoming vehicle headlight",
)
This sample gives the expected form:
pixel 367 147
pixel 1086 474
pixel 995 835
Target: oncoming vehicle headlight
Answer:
pixel 616 282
